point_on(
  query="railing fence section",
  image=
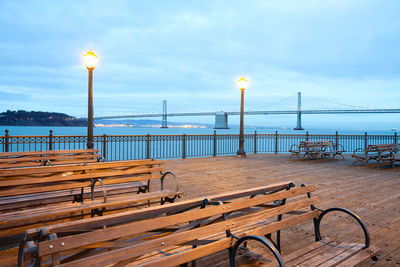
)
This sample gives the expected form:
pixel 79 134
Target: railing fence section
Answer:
pixel 124 147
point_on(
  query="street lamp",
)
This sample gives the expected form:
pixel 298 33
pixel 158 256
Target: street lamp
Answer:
pixel 90 60
pixel 242 83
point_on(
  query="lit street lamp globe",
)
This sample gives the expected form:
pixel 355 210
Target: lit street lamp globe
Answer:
pixel 90 59
pixel 242 83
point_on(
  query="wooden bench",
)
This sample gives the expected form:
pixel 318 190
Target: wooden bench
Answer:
pixel 34 196
pixel 178 233
pixel 53 157
pixel 316 149
pixel 381 153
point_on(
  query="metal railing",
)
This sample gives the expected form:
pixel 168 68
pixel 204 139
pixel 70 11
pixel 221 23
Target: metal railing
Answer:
pixel 124 147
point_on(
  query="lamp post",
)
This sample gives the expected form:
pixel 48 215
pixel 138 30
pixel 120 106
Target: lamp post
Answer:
pixel 90 61
pixel 242 82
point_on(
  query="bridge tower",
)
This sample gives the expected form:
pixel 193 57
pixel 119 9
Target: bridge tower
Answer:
pixel 164 115
pixel 298 127
pixel 221 120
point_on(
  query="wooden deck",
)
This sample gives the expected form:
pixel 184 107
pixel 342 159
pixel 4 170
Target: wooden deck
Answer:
pixel 373 193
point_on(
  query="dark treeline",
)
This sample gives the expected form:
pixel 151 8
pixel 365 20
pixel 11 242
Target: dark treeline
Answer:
pixel 39 118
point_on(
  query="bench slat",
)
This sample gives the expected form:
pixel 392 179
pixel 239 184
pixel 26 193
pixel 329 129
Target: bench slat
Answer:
pixel 18 218
pixel 71 185
pixel 329 253
pixel 312 256
pixel 342 253
pixel 360 257
pixel 76 176
pixel 17 160
pixel 49 152
pixel 46 157
pixel 20 201
pixel 83 167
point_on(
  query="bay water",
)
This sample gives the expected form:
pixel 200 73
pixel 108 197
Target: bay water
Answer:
pixel 44 130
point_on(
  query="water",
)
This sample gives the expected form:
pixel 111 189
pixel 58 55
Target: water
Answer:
pixel 44 130
pixel 122 143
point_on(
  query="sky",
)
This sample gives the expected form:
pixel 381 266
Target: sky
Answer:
pixel 338 53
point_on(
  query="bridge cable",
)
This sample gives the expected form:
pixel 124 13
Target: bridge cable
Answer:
pixel 335 103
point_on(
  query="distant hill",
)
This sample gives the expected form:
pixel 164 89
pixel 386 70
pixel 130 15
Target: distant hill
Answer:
pixel 39 118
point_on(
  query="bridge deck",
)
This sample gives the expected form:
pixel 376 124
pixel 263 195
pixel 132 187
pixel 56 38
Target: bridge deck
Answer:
pixel 371 192
pixel 267 112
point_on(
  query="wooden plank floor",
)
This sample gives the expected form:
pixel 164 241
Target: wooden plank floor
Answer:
pixel 374 194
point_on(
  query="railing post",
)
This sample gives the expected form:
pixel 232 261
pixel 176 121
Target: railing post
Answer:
pixel 395 137
pixel 276 142
pixel 255 142
pixel 365 141
pixel 307 136
pixel 183 146
pixel 337 138
pixel 104 146
pixel 51 140
pixel 215 144
pixel 147 146
pixel 7 141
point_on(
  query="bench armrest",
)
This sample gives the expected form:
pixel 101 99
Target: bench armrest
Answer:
pixel 260 239
pixel 355 216
pixel 163 178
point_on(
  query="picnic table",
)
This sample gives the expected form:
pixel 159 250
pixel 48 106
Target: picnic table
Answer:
pixel 381 153
pixel 316 150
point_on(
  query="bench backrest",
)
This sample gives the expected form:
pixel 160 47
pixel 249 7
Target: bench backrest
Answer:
pixel 21 181
pixel 385 147
pixel 53 157
pixel 152 233
pixel 315 144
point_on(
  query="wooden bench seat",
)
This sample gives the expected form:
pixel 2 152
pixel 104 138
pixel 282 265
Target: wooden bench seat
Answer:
pixel 33 196
pixel 70 195
pixel 178 233
pixel 52 157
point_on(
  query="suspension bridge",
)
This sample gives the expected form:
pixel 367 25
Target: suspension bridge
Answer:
pixel 221 118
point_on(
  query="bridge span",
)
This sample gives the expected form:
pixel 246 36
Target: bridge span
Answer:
pixel 221 118
pixel 265 112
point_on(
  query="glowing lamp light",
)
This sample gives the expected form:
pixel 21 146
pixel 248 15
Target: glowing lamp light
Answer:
pixel 242 82
pixel 90 59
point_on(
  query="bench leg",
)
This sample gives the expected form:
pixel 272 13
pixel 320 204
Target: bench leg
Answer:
pixel 142 189
pixel 98 212
pixel 78 197
pixel 168 199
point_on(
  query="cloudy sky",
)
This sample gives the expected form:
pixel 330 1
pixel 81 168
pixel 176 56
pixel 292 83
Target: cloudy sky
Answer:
pixel 190 53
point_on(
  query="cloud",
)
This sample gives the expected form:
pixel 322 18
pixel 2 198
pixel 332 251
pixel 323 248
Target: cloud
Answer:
pixel 191 53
